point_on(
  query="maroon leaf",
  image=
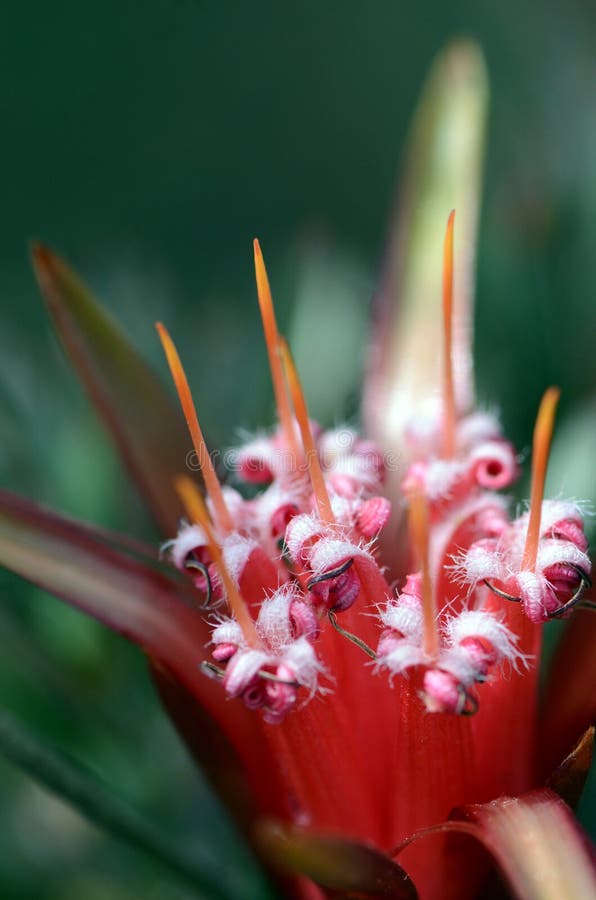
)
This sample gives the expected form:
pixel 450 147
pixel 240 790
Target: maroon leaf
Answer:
pixel 146 426
pixel 336 864
pixel 145 605
pixel 136 600
pixel 569 778
pixel 569 705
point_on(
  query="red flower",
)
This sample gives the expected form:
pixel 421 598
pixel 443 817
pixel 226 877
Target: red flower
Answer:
pixel 379 677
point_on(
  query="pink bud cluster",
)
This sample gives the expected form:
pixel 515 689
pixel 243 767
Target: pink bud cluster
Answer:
pixel 561 570
pixel 309 567
pixel 270 676
pixel 472 643
pixel 482 459
pixel 296 569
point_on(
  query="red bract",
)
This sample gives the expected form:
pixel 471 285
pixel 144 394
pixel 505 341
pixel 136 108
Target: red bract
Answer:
pixel 365 678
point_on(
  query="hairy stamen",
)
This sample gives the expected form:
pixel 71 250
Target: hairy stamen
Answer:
pixel 470 704
pixel 224 519
pixel 543 432
pixel 211 669
pixel 202 568
pixel 330 573
pixel 501 593
pixel 351 637
pixel 216 671
pixel 585 582
pixel 269 676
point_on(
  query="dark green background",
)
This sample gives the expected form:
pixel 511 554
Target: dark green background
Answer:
pixel 149 142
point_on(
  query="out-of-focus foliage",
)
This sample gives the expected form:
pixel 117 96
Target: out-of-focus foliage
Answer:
pixel 149 144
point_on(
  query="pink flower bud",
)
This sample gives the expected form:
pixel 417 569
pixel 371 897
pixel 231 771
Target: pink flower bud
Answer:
pixel 493 465
pixel 280 695
pixel 281 518
pixel 372 516
pixel 304 620
pixel 442 692
pixel 224 652
pixel 570 530
pixel 481 654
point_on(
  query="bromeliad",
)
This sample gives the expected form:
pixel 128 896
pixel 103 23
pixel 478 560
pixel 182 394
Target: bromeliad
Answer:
pixel 358 640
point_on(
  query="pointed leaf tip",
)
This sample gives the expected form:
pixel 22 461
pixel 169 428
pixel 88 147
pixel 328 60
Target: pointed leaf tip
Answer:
pixel 443 171
pixel 143 421
pixel 335 863
pixel 569 778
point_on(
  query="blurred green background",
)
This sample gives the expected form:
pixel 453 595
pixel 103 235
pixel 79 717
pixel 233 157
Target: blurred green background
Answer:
pixel 148 143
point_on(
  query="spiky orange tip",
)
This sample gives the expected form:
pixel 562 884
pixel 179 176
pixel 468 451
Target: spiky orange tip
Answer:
pixel 224 520
pixel 420 537
pixel 543 432
pixel 272 339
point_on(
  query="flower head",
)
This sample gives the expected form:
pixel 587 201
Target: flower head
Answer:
pixel 366 636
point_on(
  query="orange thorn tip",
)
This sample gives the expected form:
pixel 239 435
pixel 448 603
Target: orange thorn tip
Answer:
pixel 449 405
pixel 543 433
pixel 193 502
pixel 301 412
pixel 282 403
pixel 223 517
pixel 420 535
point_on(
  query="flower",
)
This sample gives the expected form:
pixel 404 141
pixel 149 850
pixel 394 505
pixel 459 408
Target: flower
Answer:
pixel 366 637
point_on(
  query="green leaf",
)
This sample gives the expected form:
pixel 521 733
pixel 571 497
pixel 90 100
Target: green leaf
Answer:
pixel 335 863
pixel 443 172
pixel 146 425
pixel 199 868
pixel 209 747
